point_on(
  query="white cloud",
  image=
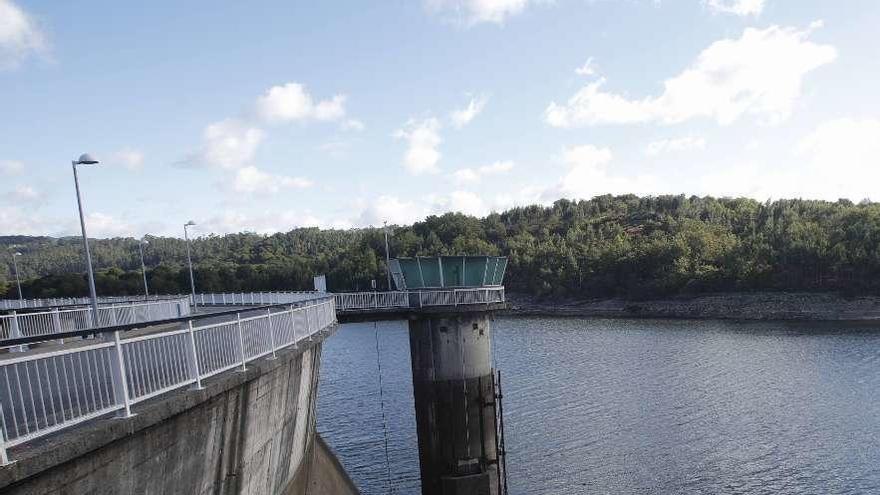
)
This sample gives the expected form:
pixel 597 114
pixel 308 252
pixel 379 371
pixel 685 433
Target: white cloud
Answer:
pixel 20 36
pixel 686 143
pixel 464 116
pixel 291 102
pixel 464 202
pixel 250 180
pixel 332 109
pixel 267 221
pixel 466 176
pixel 588 176
pixel 423 139
pixel 759 74
pixel 477 11
pixel 11 167
pixel 588 69
pixel 335 148
pixel 736 7
pixel 24 194
pixel 393 210
pixel 129 158
pixel 839 159
pixel 472 176
pixel 229 144
pixel 104 225
pixel 352 125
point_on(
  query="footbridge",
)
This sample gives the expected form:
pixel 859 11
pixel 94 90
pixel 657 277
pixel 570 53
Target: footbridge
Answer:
pixel 121 408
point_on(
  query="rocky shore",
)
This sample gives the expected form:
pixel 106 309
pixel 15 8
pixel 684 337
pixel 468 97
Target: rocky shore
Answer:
pixel 735 306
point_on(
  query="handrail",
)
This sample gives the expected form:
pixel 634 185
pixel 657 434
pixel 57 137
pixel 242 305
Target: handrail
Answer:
pixel 46 392
pixel 32 324
pixel 362 301
pixel 50 302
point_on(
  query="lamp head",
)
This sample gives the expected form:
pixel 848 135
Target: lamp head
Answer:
pixel 86 159
pixel 189 224
pixel 16 253
pixel 144 241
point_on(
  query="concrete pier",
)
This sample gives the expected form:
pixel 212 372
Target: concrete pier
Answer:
pixel 454 395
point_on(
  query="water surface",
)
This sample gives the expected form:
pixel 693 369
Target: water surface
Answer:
pixel 635 406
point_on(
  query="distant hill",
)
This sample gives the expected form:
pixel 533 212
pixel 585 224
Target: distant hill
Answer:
pixel 610 246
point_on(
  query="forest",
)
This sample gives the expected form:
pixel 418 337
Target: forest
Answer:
pixel 610 246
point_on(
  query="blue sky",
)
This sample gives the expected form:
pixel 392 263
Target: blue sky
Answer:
pixel 264 116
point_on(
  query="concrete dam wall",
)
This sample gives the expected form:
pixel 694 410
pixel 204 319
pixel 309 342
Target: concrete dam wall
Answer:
pixel 248 432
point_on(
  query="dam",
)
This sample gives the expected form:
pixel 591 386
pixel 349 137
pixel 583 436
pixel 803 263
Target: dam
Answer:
pixel 220 397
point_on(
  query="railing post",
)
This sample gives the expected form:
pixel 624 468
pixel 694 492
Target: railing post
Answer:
pixel 308 323
pixel 56 320
pixel 271 331
pixel 213 303
pixel 193 357
pixel 224 298
pixel 120 384
pixel 241 341
pixel 15 331
pixel 4 458
pixel 293 326
pixel 113 319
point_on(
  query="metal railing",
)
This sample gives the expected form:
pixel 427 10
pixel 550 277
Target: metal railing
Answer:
pixel 255 298
pixel 44 393
pixel 362 301
pixel 59 320
pixel 348 301
pixel 8 304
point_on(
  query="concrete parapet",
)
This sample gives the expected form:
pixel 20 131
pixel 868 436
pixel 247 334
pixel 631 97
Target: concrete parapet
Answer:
pixel 247 432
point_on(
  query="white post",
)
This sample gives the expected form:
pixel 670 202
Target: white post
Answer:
pixel 56 320
pixel 293 326
pixel 271 331
pixel 4 459
pixel 193 358
pixel 15 332
pixel 120 384
pixel 308 323
pixel 241 342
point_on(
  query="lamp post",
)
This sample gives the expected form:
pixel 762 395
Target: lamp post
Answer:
pixel 387 255
pixel 86 159
pixel 144 267
pixel 17 279
pixel 192 281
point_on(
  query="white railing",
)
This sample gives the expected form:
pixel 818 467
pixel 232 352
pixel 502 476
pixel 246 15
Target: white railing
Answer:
pixel 59 320
pixel 348 301
pixel 362 301
pixel 255 298
pixel 44 393
pixel 8 304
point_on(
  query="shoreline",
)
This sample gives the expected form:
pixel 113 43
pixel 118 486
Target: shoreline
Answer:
pixel 742 306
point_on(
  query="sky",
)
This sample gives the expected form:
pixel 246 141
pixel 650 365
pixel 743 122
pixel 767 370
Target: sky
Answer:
pixel 269 115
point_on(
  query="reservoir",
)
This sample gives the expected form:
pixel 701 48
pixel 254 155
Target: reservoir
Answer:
pixel 633 406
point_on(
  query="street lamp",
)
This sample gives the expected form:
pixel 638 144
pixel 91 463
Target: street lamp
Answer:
pixel 141 244
pixel 86 159
pixel 192 281
pixel 387 255
pixel 17 279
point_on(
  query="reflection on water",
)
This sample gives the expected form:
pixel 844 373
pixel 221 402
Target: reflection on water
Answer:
pixel 636 406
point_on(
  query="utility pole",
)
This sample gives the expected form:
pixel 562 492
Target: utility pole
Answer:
pixel 387 255
pixel 144 267
pixel 86 159
pixel 17 278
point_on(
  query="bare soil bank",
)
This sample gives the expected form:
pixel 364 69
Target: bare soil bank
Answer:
pixel 735 306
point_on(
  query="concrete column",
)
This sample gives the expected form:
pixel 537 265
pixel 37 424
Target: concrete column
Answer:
pixel 454 395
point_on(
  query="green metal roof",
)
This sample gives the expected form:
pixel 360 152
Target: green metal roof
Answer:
pixel 438 272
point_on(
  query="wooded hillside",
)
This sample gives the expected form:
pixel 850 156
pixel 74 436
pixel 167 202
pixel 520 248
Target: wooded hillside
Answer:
pixel 605 247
